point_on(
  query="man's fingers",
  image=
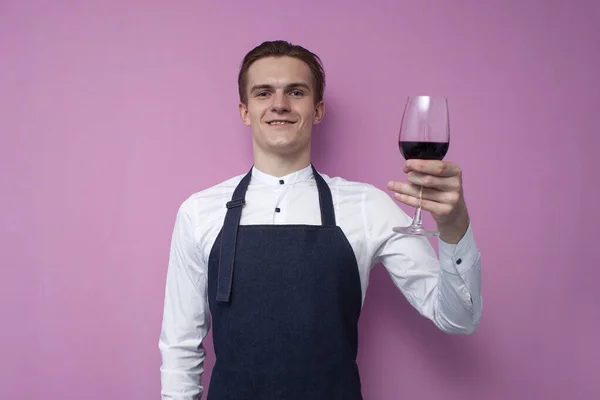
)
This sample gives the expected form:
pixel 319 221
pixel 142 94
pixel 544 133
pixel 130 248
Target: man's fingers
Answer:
pixel 434 182
pixel 428 193
pixel 434 207
pixel 432 167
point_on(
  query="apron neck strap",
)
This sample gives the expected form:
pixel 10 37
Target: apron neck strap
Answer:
pixel 325 199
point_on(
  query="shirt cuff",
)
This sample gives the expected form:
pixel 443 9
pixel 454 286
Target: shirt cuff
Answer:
pixel 459 258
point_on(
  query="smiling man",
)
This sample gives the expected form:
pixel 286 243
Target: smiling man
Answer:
pixel 281 101
pixel 278 259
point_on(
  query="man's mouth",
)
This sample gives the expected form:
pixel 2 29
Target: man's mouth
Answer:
pixel 279 122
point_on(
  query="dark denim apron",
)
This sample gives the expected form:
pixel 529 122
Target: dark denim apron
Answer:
pixel 285 302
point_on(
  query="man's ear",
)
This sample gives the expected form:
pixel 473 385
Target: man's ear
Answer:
pixel 244 115
pixel 319 112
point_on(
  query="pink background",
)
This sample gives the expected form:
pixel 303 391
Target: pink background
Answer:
pixel 112 113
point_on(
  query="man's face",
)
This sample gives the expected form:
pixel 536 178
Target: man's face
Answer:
pixel 281 105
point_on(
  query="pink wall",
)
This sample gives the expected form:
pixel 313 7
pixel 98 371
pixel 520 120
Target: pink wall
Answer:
pixel 112 114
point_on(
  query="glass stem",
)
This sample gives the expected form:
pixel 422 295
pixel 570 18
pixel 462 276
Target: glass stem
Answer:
pixel 417 217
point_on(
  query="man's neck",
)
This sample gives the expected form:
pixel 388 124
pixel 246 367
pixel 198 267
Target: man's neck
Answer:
pixel 279 166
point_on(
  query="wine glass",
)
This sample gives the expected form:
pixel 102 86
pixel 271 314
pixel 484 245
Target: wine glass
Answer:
pixel 424 134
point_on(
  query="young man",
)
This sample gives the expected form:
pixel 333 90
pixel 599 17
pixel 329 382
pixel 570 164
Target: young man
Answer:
pixel 279 258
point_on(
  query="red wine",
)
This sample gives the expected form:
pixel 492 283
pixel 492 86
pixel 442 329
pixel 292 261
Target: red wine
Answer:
pixel 423 150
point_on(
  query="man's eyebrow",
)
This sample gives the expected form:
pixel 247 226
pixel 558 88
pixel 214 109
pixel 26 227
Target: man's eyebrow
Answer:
pixel 260 87
pixel 303 85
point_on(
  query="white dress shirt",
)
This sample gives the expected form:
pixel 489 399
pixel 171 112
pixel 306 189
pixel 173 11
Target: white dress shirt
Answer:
pixel 447 291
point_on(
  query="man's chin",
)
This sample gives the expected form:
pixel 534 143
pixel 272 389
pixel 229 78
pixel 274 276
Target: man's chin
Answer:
pixel 282 148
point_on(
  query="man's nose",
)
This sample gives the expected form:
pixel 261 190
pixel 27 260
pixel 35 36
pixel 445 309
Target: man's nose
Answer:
pixel 280 103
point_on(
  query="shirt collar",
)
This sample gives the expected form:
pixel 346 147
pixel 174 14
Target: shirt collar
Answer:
pixel 297 176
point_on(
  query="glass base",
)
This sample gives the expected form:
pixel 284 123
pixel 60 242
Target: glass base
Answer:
pixel 415 230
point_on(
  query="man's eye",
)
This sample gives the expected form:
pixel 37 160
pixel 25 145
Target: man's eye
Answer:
pixel 262 94
pixel 296 93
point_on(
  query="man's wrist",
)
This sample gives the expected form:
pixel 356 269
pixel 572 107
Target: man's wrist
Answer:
pixel 452 232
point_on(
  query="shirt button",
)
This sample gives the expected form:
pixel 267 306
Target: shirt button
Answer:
pixel 459 261
pixel 281 182
pixel 277 209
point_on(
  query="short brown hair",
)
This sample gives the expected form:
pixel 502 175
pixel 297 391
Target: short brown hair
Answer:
pixel 281 48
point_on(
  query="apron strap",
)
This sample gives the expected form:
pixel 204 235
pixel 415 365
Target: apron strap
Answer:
pixel 232 223
pixel 229 238
pixel 325 200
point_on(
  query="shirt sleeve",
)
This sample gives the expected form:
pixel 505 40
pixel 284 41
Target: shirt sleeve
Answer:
pixel 185 321
pixel 445 290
